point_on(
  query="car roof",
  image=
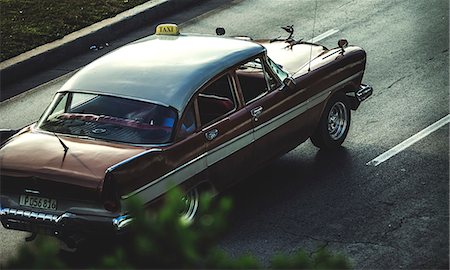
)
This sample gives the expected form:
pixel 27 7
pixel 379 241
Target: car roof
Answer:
pixel 162 69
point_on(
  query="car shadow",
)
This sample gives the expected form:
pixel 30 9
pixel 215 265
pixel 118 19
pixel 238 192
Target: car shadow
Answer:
pixel 304 171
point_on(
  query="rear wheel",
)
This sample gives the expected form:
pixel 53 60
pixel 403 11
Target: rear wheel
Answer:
pixel 190 203
pixel 334 123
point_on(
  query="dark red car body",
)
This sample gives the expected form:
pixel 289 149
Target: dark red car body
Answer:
pixel 92 180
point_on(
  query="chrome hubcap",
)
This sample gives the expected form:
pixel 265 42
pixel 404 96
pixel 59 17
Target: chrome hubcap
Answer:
pixel 191 202
pixel 337 120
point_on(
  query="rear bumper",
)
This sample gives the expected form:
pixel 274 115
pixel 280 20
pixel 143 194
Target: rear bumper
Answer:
pixel 65 225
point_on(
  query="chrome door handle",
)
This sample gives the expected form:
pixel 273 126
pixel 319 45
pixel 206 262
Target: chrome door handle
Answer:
pixel 210 135
pixel 256 112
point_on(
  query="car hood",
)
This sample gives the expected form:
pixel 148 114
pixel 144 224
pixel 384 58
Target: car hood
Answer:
pixel 36 154
pixel 292 58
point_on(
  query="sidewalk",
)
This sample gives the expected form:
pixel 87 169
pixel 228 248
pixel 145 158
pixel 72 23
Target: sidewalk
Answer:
pixel 75 50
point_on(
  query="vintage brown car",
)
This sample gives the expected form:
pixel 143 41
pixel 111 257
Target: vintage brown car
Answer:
pixel 195 111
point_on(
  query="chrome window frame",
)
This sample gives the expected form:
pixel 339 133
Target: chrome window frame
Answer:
pixel 232 85
pixel 264 68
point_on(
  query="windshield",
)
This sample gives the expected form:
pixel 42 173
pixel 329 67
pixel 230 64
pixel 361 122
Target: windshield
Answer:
pixel 109 118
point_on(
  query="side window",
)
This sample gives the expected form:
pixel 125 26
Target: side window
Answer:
pixel 79 99
pixel 188 123
pixel 255 81
pixel 216 100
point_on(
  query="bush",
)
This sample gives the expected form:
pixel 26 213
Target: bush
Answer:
pixel 26 24
pixel 162 240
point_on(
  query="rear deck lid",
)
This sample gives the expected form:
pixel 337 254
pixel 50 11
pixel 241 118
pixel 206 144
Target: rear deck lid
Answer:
pixel 34 157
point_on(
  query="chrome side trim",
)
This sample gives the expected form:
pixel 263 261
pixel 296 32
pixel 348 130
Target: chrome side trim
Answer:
pixel 224 150
pixel 191 168
pixel 198 164
pixel 269 126
pixel 177 176
pixel 285 117
pixel 171 179
pixel 132 158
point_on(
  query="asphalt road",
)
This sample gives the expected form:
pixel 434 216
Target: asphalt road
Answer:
pixel 394 215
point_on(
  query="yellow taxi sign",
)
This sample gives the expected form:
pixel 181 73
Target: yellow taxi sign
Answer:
pixel 169 29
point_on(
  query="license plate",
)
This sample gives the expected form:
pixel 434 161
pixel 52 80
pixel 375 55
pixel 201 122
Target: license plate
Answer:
pixel 37 202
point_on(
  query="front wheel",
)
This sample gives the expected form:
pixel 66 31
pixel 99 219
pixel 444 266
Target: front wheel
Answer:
pixel 334 123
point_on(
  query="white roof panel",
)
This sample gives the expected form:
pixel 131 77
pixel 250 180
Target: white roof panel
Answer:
pixel 162 69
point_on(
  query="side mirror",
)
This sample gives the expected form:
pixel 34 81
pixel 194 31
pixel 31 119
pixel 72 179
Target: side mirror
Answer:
pixel 343 43
pixel 289 84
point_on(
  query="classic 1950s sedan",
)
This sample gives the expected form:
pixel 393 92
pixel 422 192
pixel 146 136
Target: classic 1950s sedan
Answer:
pixel 195 111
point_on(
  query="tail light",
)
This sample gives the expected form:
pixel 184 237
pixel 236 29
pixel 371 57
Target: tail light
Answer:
pixel 110 194
pixel 111 205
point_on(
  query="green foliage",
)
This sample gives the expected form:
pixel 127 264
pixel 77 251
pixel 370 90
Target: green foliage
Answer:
pixel 161 239
pixel 42 254
pixel 26 24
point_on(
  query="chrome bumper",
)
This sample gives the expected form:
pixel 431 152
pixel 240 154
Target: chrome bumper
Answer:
pixel 363 92
pixel 61 225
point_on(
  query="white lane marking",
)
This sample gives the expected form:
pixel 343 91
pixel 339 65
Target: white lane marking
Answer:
pixel 323 35
pixel 410 141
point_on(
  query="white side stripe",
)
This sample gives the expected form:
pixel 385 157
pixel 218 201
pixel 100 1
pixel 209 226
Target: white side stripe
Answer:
pixel 269 126
pixel 157 187
pixel 172 179
pixel 408 142
pixel 190 168
pixel 230 147
pixel 281 119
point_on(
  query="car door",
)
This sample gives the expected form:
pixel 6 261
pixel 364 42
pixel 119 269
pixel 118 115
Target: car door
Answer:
pixel 227 130
pixel 276 127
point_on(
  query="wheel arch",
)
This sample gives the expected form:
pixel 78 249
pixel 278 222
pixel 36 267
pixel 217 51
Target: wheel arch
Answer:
pixel 349 90
pixel 203 185
pixel 317 138
pixel 346 90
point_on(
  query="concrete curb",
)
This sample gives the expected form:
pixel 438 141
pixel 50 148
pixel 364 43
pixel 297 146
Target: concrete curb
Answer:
pixel 78 42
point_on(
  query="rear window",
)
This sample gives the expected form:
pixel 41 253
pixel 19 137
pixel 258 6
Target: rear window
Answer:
pixel 109 118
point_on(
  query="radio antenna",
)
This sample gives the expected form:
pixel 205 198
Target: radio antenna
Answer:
pixel 312 39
